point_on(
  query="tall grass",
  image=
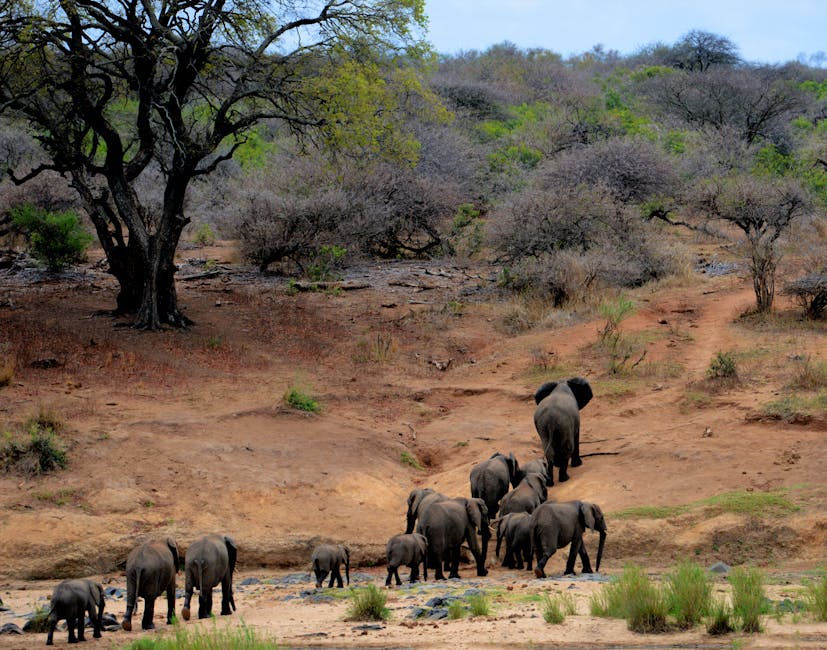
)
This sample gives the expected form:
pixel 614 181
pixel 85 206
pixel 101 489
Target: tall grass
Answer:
pixel 368 604
pixel 688 594
pixel 815 596
pixel 479 605
pixel 555 608
pixel 748 597
pixel 183 638
pixel 719 620
pixel 634 597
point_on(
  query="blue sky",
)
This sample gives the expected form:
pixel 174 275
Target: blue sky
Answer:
pixel 765 31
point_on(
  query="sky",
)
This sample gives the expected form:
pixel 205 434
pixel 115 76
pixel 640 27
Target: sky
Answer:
pixel 764 31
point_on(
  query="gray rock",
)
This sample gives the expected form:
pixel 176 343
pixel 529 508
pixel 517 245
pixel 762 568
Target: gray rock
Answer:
pixel 10 628
pixel 438 613
pixel 720 567
pixel 250 581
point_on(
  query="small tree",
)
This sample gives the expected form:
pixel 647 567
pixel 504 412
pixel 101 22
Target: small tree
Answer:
pixel 55 238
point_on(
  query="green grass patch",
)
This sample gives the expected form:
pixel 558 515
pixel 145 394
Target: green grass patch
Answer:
pixel 368 604
pixel 40 452
pixel 776 502
pixel 410 460
pixel 651 512
pixel 479 604
pixel 815 595
pixel 688 594
pixel 634 597
pixel 719 620
pixel 456 610
pixel 796 407
pixel 810 375
pixel 298 397
pixel 191 638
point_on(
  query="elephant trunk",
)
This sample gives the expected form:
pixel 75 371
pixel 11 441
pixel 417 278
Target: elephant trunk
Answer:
pixel 600 550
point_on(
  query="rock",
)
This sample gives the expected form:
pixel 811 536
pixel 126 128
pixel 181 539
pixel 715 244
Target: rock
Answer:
pixel 114 592
pixel 368 627
pixel 250 581
pixel 720 567
pixel 438 614
pixel 10 628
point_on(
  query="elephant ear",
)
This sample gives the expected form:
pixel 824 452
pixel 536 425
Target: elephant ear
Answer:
pixel 587 515
pixel 173 548
pixel 544 391
pixel 472 508
pixel 514 473
pixel 232 552
pixel 582 391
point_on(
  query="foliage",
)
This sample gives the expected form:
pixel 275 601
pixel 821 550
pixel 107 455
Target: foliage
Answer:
pixel 456 609
pixel 201 638
pixel 719 620
pixel 479 604
pixel 748 597
pixel 204 235
pixel 816 597
pixel 810 292
pixel 40 451
pixel 753 503
pixel 39 621
pixel 297 397
pixel 795 407
pixel 688 594
pixel 634 597
pixel 368 604
pixel 810 375
pixel 56 238
pixel 722 366
pixel 556 607
pixel 410 460
pixel 651 512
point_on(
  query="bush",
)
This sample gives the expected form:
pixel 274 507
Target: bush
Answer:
pixel 297 397
pixel 816 598
pixel 479 605
pixel 633 596
pixel 41 453
pixel 748 598
pixel 368 604
pixel 722 366
pixel 810 292
pixel 555 608
pixel 688 594
pixel 56 239
pixel 204 235
pixel 720 617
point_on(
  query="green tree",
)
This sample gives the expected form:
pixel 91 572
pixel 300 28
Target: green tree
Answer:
pixel 121 92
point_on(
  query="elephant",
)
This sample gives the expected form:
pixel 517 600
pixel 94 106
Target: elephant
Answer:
pixel 446 524
pixel 150 570
pixel 209 561
pixel 529 494
pixel 409 550
pixel 515 529
pixel 536 466
pixel 71 600
pixel 418 501
pixel 555 525
pixel 490 480
pixel 557 419
pixel 327 558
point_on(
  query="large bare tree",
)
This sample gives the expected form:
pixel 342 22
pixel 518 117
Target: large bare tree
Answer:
pixel 117 90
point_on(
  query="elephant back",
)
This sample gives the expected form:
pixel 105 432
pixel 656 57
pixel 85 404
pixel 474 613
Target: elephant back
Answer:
pixel 207 561
pixel 153 567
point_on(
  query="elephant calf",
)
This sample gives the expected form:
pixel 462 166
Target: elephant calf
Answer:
pixel 490 480
pixel 71 600
pixel 327 558
pixel 209 561
pixel 515 529
pixel 529 494
pixel 150 571
pixel 407 550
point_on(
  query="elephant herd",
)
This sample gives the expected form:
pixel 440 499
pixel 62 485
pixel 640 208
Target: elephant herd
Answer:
pixel 437 527
pixel 524 518
pixel 150 571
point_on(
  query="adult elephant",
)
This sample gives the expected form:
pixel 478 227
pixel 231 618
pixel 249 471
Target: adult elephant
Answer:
pixel 490 480
pixel 446 525
pixel 409 550
pixel 71 600
pixel 209 561
pixel 557 419
pixel 418 501
pixel 150 571
pixel 556 525
pixel 515 529
pixel 529 494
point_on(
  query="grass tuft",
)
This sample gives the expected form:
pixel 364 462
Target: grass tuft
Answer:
pixel 479 605
pixel 815 596
pixel 634 597
pixel 297 397
pixel 748 597
pixel 183 638
pixel 719 620
pixel 410 460
pixel 555 608
pixel 456 610
pixel 42 452
pixel 368 604
pixel 688 594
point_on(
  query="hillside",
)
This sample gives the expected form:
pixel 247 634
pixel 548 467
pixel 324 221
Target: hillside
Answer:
pixel 185 432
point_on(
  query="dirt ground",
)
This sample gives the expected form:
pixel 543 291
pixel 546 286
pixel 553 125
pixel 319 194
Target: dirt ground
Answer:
pixel 180 433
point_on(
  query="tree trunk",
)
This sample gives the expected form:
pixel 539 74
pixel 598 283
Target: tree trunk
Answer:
pixel 763 279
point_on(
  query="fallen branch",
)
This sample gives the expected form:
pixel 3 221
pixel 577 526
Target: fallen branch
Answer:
pixel 199 276
pixel 601 453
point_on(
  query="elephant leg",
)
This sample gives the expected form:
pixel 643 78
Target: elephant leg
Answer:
pixel 454 554
pixel 436 562
pixel 576 461
pixel 542 558
pixel 52 627
pixel 508 558
pixel 339 582
pixel 527 555
pixel 518 555
pixel 584 558
pixel 71 623
pixel 149 614
pixel 81 627
pixel 226 595
pixel 320 576
pixel 563 474
pixel 332 579
pixel 189 587
pixel 131 599
pixel 171 603
pixel 573 551
pixel 390 576
pixel 414 575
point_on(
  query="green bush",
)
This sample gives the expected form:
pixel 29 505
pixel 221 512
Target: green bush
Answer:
pixel 634 597
pixel 297 397
pixel 40 453
pixel 368 604
pixel 204 235
pixel 722 366
pixel 816 598
pixel 748 597
pixel 56 239
pixel 479 604
pixel 688 594
pixel 719 620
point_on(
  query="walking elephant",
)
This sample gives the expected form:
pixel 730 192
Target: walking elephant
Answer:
pixel 529 494
pixel 490 480
pixel 71 600
pixel 209 561
pixel 418 501
pixel 150 571
pixel 557 419
pixel 446 525
pixel 409 550
pixel 328 558
pixel 555 525
pixel 515 529
pixel 536 466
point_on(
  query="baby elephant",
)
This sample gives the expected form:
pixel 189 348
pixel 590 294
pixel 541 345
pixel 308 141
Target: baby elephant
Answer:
pixel 407 550
pixel 71 600
pixel 327 559
pixel 209 561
